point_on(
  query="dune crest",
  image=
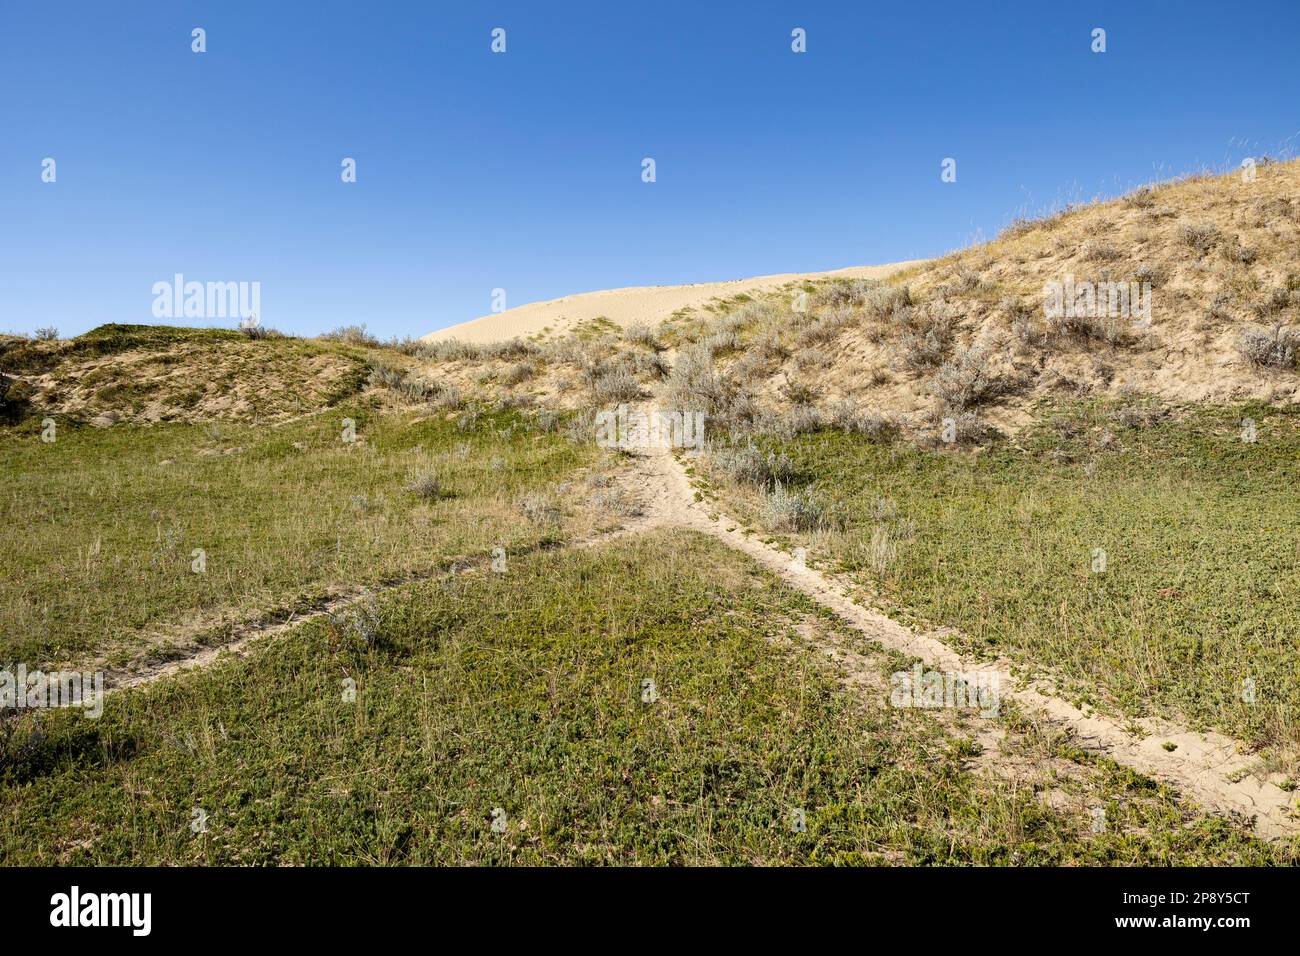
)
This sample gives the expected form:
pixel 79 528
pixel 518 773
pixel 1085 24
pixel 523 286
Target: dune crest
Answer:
pixel 651 303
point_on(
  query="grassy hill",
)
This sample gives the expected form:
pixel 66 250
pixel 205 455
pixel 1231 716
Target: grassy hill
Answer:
pixel 144 373
pixel 427 603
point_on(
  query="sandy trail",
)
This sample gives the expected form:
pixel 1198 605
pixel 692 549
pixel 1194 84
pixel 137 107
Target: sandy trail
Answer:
pixel 1204 766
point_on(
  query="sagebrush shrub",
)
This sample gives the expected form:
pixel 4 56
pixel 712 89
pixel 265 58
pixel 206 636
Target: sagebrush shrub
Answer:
pixel 1142 198
pixel 1099 250
pixel 693 383
pixel 785 510
pixel 1268 348
pixel 927 333
pixel 352 335
pixel 964 381
pixel 923 350
pixel 805 418
pixel 617 384
pixel 844 292
pixel 641 333
pixel 825 328
pixel 882 301
pixel 519 372
pixel 748 464
pixel 385 376
pixel 425 484
pixel 1198 236
pixel 540 509
pixel 799 392
pixel 1275 300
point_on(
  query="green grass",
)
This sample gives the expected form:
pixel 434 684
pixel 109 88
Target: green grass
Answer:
pixel 521 691
pixel 1201 533
pixel 600 327
pixel 98 529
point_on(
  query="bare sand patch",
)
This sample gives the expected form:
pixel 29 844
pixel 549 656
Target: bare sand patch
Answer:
pixel 623 307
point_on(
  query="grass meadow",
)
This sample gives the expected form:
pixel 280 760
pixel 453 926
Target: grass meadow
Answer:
pixel 1151 560
pixel 99 530
pixel 505 719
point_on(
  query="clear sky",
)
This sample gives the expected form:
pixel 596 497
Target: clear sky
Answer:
pixel 523 170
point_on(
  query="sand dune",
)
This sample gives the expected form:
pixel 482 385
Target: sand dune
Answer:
pixel 651 303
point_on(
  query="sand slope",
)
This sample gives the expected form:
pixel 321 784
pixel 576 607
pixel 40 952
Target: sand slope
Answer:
pixel 651 303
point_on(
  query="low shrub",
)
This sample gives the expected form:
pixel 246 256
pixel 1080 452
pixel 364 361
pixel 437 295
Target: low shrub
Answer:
pixel 786 510
pixel 425 485
pixel 352 335
pixel 1268 348
pixel 748 464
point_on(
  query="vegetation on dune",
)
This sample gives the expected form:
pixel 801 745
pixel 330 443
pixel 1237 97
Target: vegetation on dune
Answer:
pixel 1205 268
pixel 963 337
pixel 148 373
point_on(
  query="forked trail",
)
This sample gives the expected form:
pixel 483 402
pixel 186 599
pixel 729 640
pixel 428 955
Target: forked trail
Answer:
pixel 1210 768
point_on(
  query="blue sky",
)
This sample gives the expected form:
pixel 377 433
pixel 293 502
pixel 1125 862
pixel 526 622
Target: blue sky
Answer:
pixel 523 170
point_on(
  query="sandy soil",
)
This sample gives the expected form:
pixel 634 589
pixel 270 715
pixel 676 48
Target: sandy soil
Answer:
pixel 651 303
